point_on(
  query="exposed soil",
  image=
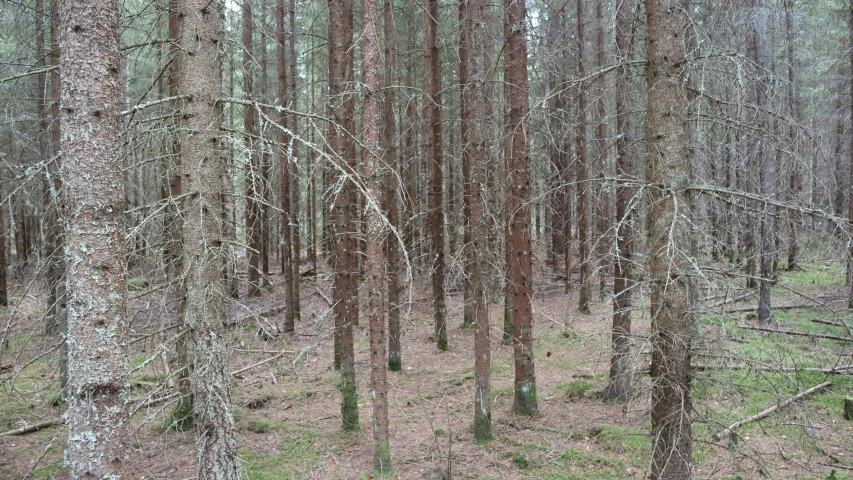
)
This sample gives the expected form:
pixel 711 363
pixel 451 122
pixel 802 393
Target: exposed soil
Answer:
pixel 578 435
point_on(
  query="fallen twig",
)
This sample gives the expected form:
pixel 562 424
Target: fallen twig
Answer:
pixel 733 300
pixel 827 371
pixel 729 431
pixel 32 428
pixel 793 332
pixel 780 307
pixel 258 364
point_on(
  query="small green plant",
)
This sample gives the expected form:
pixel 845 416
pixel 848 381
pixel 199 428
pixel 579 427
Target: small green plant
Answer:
pixel 259 426
pixel 575 388
pixel 519 461
pixel 137 283
pixel 438 432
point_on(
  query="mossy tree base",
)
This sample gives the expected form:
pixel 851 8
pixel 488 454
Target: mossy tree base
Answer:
pixel 382 460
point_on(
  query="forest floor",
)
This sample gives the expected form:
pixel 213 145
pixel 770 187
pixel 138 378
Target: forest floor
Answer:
pixel 288 415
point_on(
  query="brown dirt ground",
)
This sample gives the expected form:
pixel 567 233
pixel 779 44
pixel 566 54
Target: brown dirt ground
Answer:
pixel 430 407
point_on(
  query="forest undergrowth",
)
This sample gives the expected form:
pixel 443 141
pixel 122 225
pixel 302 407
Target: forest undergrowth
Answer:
pixel 288 408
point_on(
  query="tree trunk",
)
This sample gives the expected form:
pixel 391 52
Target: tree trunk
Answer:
pixel 373 171
pixel 94 200
pixel 344 213
pixel 253 173
pixel 601 194
pixel 203 171
pixel 389 147
pixel 584 295
pixel 432 88
pixel 766 172
pixel 284 160
pixel 467 289
pixel 796 111
pixel 475 97
pixel 619 385
pixel 294 190
pixel 850 182
pixel 520 242
pixel 667 167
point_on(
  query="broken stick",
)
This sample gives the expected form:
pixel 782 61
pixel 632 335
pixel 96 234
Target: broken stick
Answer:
pixel 729 431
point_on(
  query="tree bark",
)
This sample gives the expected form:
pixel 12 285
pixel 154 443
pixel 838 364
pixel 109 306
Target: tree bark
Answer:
pixel 795 182
pixel 520 242
pixel 619 385
pixel 432 88
pixel 475 97
pixel 669 236
pixel 584 294
pixel 203 169
pixel 373 172
pixel 93 197
pixel 253 170
pixel 389 147
pixel 850 181
pixel 467 289
pixel 294 190
pixel 344 211
pixel 284 160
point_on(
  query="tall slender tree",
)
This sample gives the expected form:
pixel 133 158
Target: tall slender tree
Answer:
pixel 669 239
pixel 432 87
pixel 284 160
pixel 619 385
pixel 389 148
pixel 584 253
pixel 373 170
pixel 344 211
pixel 520 242
pixel 93 197
pixel 475 97
pixel 202 169
pixel 253 164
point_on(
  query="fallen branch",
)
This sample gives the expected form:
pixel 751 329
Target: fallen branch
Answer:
pixel 729 431
pixel 793 332
pixel 781 307
pixel 327 299
pixel 32 428
pixel 828 371
pixel 734 300
pixel 830 322
pixel 267 360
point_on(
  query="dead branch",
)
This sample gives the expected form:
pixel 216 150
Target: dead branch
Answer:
pixel 793 332
pixel 32 428
pixel 729 431
pixel 734 300
pixel 780 307
pixel 267 360
pixel 827 371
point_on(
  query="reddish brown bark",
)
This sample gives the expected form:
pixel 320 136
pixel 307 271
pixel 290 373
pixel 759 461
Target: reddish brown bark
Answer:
pixel 619 385
pixel 520 245
pixel 253 171
pixel 584 294
pixel 432 87
pixel 284 168
pixel 475 97
pixel 389 147
pixel 344 212
pixel 373 172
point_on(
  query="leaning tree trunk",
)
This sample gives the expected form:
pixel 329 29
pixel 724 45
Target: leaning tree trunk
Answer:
pixel 203 168
pixel 619 385
pixel 432 87
pixel 520 242
pixel 669 237
pixel 94 201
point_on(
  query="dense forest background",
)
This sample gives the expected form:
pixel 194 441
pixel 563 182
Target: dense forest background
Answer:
pixel 470 239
